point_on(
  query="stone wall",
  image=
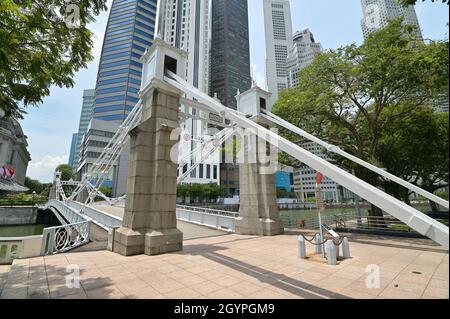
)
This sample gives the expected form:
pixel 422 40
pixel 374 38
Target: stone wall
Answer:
pixel 18 215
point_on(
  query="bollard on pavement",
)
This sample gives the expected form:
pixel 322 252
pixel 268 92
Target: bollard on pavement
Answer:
pixel 301 247
pixel 318 248
pixel 345 248
pixel 331 253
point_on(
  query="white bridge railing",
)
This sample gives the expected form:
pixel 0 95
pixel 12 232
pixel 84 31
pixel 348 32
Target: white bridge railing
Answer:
pixel 67 236
pixel 219 219
pixel 99 217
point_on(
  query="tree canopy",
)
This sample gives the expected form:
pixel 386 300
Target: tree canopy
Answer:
pixel 351 96
pixel 42 43
pixel 67 172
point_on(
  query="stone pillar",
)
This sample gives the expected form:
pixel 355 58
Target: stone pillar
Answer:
pixel 258 212
pixel 150 223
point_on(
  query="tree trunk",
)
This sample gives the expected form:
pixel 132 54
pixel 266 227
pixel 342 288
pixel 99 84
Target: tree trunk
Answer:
pixel 375 218
pixel 434 207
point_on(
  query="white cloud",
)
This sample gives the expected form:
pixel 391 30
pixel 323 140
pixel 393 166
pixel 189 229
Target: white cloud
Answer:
pixel 259 77
pixel 44 169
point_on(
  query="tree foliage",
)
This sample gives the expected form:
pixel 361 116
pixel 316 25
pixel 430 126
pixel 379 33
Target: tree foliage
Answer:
pixel 351 96
pixel 37 187
pixel 200 192
pixel 67 172
pixel 42 43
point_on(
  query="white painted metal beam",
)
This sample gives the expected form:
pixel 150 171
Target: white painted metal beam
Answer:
pixel 415 219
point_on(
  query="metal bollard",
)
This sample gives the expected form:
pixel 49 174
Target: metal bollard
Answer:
pixel 345 248
pixel 318 248
pixel 301 247
pixel 331 253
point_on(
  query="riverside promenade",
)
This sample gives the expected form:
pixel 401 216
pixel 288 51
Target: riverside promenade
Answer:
pixel 240 267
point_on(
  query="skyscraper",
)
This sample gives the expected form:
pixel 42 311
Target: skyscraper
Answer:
pixel 230 67
pixel 230 50
pixel 129 32
pixel 85 117
pixel 377 14
pixel 301 55
pixel 278 30
pixel 73 144
pixel 187 26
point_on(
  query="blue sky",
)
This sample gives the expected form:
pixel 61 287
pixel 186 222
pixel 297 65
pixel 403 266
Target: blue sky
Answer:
pixel 334 23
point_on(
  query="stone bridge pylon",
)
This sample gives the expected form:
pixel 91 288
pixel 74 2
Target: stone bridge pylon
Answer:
pixel 150 223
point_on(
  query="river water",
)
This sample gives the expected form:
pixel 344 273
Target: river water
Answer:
pixel 21 230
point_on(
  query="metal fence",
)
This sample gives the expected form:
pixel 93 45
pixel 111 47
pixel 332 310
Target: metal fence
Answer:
pixel 62 238
pixel 219 219
pixel 101 218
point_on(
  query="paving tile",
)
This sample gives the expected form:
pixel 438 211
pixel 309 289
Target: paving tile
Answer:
pixel 207 287
pixel 185 293
pixel 167 286
pixel 145 293
pixel 395 293
pixel 436 293
pixel 108 292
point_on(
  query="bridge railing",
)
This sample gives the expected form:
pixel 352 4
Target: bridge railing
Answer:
pixel 219 219
pixel 62 238
pixel 69 213
pixel 102 219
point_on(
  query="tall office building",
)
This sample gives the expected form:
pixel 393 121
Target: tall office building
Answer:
pixel 85 117
pixel 230 68
pixel 301 55
pixel 278 30
pixel 129 32
pixel 187 26
pixel 73 144
pixel 377 14
pixel 230 50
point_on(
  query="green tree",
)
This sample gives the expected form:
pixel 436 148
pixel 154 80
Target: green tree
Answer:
pixel 42 43
pixel 106 190
pixel 416 148
pixel 67 172
pixel 349 96
pixel 33 185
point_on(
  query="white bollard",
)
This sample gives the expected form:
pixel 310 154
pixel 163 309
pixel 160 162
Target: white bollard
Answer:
pixel 337 251
pixel 301 247
pixel 318 248
pixel 345 248
pixel 331 253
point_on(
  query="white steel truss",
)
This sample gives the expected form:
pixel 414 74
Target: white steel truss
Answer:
pixel 415 219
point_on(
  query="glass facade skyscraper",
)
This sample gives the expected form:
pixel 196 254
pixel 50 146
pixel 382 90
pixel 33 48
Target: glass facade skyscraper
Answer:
pixel 230 50
pixel 230 68
pixel 130 31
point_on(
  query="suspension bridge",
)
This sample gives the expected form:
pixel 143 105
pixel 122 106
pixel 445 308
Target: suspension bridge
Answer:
pixel 146 222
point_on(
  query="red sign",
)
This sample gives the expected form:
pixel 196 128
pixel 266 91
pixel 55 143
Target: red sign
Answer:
pixel 319 178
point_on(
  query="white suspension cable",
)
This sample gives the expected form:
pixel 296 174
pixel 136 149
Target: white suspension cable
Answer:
pixel 335 149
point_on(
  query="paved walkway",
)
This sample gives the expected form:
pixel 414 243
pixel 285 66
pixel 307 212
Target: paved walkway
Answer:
pixel 235 266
